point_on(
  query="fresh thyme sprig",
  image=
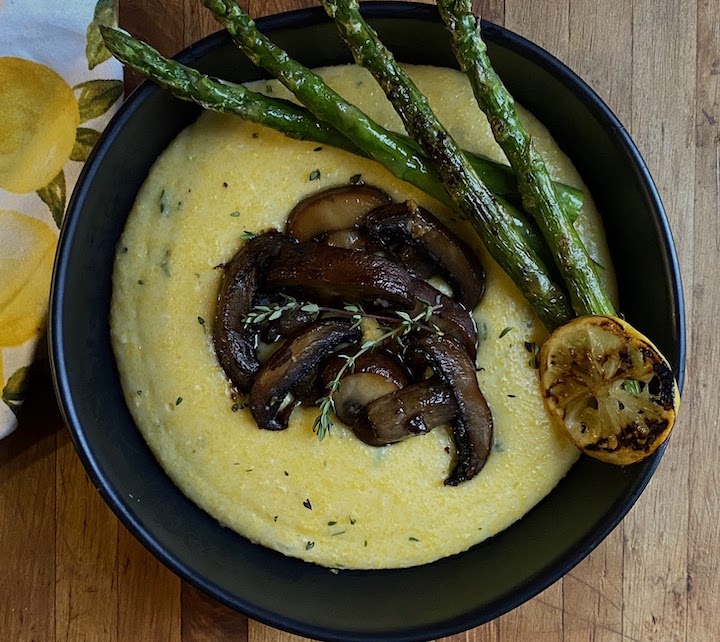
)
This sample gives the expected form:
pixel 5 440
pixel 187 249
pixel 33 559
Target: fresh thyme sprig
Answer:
pixel 273 311
pixel 395 327
pixel 262 313
pixel 323 422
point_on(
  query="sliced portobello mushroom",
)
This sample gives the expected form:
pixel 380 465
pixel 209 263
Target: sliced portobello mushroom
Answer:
pixel 235 342
pixel 333 209
pixel 451 316
pixel 413 410
pixel 355 393
pixel 472 427
pixel 335 275
pixel 374 375
pixel 380 361
pixel 289 369
pixel 418 264
pixel 408 224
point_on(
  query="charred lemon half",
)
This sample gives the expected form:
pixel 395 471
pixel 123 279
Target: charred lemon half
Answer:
pixel 610 387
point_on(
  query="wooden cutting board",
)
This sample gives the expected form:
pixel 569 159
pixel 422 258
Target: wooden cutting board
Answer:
pixel 71 572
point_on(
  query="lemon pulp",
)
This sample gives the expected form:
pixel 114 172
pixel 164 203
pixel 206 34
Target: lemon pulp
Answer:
pixel 586 367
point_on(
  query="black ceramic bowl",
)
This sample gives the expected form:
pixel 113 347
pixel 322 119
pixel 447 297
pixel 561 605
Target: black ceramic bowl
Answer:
pixel 418 603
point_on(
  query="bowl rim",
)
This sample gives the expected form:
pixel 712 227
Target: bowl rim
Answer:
pixel 122 509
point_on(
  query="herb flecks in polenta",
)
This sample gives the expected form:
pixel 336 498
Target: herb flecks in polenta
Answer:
pixel 161 351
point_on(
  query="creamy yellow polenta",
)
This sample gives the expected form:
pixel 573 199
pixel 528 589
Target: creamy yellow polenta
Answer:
pixel 337 502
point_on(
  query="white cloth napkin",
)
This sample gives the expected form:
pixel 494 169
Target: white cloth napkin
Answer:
pixel 58 89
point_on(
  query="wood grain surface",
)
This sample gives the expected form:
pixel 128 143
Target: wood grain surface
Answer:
pixel 71 572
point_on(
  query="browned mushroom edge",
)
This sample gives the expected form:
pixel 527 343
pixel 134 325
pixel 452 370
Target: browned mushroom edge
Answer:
pixel 297 360
pixel 374 375
pixel 333 209
pixel 450 316
pixel 413 410
pixel 336 275
pixel 381 398
pixel 408 224
pixel 381 361
pixel 235 342
pixel 472 427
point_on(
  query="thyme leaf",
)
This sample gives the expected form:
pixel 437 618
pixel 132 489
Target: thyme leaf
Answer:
pixel 323 422
pixel 396 326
